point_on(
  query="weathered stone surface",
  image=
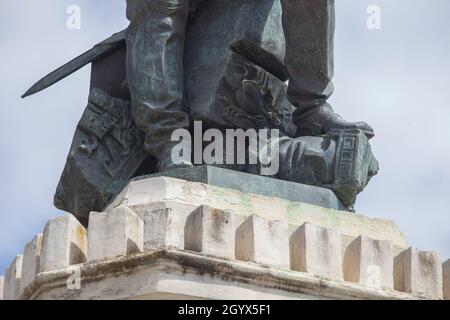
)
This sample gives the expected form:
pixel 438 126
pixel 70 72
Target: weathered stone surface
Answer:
pixel 211 231
pixel 316 250
pixel 176 273
pixel 194 276
pixel 163 224
pixel 419 273
pixel 143 192
pixel 13 275
pixel 250 183
pixel 2 282
pixel 31 259
pixel 118 233
pixel 185 196
pixel 263 241
pixel 370 263
pixel 446 277
pixel 64 243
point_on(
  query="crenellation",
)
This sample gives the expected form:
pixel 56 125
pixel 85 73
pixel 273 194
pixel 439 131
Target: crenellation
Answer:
pixel 263 241
pixel 2 283
pixel 31 261
pixel 446 279
pixel 164 223
pixel 13 276
pixel 64 244
pixel 370 262
pixel 317 251
pixel 418 273
pixel 219 247
pixel 211 231
pixel 114 234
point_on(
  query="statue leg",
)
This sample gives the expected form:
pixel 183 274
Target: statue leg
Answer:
pixel 155 43
pixel 309 29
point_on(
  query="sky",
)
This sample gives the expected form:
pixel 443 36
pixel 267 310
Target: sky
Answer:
pixel 397 78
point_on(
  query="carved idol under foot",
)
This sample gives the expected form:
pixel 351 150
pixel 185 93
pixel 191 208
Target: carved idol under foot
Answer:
pixel 341 160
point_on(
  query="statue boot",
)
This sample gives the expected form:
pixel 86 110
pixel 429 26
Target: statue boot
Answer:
pixel 323 119
pixel 166 160
pixel 309 27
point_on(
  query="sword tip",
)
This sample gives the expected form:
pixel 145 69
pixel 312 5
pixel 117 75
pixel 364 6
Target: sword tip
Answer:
pixel 28 93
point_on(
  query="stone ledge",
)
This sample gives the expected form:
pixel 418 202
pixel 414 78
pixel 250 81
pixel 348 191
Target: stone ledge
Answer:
pixel 126 278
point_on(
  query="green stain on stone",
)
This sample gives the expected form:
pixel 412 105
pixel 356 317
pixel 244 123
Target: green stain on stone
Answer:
pixel 245 201
pixel 326 217
pixel 220 195
pixel 333 217
pixel 292 211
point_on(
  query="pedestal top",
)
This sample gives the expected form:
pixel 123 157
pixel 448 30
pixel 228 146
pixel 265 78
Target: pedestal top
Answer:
pixel 250 183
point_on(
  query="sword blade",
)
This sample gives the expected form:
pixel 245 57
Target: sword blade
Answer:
pixel 114 42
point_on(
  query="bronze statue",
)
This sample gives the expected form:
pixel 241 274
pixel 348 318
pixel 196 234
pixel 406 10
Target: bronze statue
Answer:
pixel 223 62
pixel 155 44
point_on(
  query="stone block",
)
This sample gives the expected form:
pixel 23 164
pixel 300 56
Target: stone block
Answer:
pixel 31 258
pixel 446 277
pixel 255 184
pixel 163 224
pixel 13 275
pixel 227 189
pixel 211 231
pixel 2 282
pixel 370 263
pixel 317 251
pixel 141 192
pixel 263 241
pixel 418 273
pixel 64 243
pixel 114 234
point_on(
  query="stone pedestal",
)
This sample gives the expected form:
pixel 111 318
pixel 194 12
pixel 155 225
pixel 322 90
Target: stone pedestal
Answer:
pixel 254 184
pixel 184 190
pixel 200 241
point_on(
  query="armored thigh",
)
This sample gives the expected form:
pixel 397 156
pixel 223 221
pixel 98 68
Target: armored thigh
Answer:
pixel 155 43
pixel 309 29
